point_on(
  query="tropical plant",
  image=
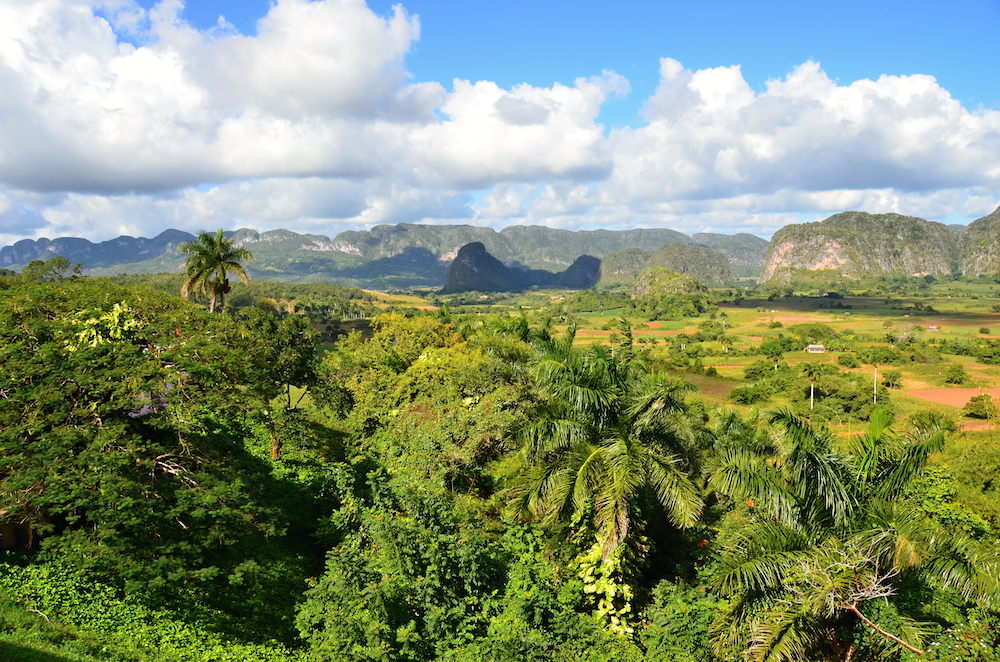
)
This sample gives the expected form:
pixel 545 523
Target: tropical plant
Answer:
pixel 815 563
pixel 609 439
pixel 813 371
pixel 210 258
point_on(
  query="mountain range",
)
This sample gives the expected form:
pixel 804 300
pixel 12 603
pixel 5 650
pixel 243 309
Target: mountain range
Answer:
pixel 850 245
pixel 385 257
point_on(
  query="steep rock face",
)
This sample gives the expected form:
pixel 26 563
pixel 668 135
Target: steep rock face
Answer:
pixel 474 269
pixel 706 265
pixel 857 244
pixel 981 246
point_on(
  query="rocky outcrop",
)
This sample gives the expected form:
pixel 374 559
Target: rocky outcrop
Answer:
pixel 981 246
pixel 853 245
pixel 475 270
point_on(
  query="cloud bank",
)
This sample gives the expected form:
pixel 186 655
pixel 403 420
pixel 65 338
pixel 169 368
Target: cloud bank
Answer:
pixel 121 120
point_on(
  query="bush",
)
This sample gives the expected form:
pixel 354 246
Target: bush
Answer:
pixel 775 325
pixel 848 361
pixel 956 374
pixel 750 394
pixel 984 330
pixel 980 406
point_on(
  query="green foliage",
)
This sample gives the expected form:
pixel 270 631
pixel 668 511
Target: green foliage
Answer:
pixel 56 268
pixel 608 432
pixel 116 325
pixel 826 538
pixel 848 360
pixel 209 259
pixel 980 406
pixel 892 378
pixel 679 621
pixel 407 579
pixel 936 492
pixel 105 625
pixel 122 459
pixel 956 374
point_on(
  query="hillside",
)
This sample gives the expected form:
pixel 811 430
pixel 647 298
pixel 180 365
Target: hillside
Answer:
pixel 474 269
pixel 742 249
pixel 857 244
pixel 387 256
pixel 980 242
pixel 624 267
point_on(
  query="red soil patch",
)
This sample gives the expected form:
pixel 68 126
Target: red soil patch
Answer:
pixel 976 426
pixel 956 397
pixel 654 325
pixel 428 307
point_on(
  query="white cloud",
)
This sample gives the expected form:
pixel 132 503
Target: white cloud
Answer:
pixel 314 125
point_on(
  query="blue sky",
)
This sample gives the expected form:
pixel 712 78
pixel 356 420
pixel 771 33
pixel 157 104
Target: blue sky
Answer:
pixel 718 116
pixel 521 41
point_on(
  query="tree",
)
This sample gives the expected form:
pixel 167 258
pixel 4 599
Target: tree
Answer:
pixel 774 350
pixel 56 268
pixel 813 372
pixel 609 437
pixel 210 258
pixel 816 563
pixel 278 355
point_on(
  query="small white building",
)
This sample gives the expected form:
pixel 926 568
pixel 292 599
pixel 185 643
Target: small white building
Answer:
pixel 815 349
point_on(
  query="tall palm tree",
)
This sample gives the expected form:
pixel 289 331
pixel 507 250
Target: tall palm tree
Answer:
pixel 813 371
pixel 608 439
pixel 827 535
pixel 210 258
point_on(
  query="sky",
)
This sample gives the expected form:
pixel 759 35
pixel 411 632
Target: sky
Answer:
pixel 132 116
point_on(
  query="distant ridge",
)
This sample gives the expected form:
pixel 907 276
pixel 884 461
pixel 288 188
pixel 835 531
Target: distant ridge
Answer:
pixel 387 256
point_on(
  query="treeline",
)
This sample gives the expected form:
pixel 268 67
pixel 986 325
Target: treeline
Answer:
pixel 453 487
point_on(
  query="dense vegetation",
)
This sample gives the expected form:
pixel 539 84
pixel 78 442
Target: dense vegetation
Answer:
pixel 178 485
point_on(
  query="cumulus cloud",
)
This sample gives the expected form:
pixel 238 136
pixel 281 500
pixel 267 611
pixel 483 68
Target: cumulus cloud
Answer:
pixel 114 115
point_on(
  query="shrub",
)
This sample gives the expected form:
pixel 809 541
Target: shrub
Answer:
pixel 848 361
pixel 956 374
pixel 750 394
pixel 775 325
pixel 980 406
pixel 984 330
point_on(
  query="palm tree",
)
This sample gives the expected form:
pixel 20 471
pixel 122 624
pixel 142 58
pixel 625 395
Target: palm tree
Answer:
pixel 826 535
pixel 210 258
pixel 813 372
pixel 607 439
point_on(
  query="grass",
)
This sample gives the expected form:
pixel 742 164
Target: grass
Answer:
pixel 31 637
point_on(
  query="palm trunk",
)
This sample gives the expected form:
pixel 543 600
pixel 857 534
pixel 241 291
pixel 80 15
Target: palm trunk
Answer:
pixel 211 301
pixel 810 395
